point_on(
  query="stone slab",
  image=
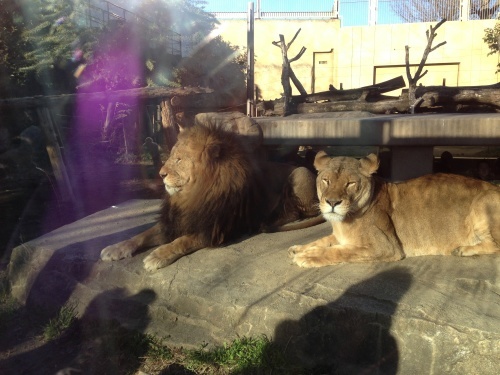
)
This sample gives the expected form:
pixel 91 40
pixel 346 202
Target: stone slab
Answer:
pixel 425 315
pixel 362 129
pixel 411 138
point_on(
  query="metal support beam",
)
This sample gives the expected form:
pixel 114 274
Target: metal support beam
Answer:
pixel 250 61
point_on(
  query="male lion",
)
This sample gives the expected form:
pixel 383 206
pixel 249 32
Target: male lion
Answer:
pixel 373 220
pixel 217 191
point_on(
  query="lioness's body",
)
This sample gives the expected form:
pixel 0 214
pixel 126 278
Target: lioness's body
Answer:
pixel 218 190
pixel 373 220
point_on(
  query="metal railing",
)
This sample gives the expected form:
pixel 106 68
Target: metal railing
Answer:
pixel 269 9
pixel 360 12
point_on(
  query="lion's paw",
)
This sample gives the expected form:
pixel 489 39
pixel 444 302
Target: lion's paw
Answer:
pixel 117 251
pixel 154 262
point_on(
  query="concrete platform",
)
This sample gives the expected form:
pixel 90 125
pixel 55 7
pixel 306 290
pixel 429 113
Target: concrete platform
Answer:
pixel 426 315
pixel 410 137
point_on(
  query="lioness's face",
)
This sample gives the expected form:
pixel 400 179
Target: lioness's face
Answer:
pixel 177 172
pixel 339 194
pixel 344 185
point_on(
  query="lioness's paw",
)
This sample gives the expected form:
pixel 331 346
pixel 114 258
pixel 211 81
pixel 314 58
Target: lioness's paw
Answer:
pixel 306 261
pixel 457 252
pixel 153 262
pixel 466 251
pixel 295 250
pixel 313 257
pixel 117 251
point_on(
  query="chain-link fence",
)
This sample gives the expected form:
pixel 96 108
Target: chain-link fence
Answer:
pixel 362 12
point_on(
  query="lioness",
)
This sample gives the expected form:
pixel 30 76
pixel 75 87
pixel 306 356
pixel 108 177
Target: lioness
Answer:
pixel 218 190
pixel 373 220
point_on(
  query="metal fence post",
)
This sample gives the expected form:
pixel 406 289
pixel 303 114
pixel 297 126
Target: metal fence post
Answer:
pixel 464 10
pixel 335 9
pixel 372 12
pixel 250 60
pixel 258 10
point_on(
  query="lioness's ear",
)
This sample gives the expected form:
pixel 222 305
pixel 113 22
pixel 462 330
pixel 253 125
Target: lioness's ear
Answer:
pixel 321 160
pixel 369 164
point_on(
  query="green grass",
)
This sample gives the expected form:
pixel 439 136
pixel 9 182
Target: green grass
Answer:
pixel 8 305
pixel 56 326
pixel 242 355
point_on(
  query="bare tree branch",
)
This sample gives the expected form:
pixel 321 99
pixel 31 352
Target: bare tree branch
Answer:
pixel 412 80
pixel 295 36
pixel 299 55
pixel 439 45
pixel 287 73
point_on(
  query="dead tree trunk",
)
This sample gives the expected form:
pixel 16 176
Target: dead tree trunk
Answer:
pixel 412 81
pixel 169 125
pixel 109 119
pixel 287 73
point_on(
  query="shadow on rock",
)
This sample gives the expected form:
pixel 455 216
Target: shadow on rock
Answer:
pixel 96 343
pixel 352 334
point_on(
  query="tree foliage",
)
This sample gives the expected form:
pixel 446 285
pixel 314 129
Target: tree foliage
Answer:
pixel 58 43
pixel 492 39
pixel 12 47
pixel 51 47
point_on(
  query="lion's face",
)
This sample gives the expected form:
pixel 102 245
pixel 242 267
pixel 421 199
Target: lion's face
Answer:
pixel 178 171
pixel 190 167
pixel 344 185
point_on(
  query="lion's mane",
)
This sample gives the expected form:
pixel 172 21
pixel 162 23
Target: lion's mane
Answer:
pixel 227 200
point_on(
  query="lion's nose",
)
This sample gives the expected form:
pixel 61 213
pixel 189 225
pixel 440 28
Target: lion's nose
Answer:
pixel 333 203
pixel 163 174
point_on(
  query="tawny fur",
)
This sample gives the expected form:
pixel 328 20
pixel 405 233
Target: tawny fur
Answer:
pixel 217 191
pixel 373 220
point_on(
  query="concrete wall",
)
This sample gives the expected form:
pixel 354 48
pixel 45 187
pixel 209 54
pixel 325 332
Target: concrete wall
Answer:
pixel 363 55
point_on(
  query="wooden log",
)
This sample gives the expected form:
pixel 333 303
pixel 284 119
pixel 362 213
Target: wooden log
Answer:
pixel 199 101
pixel 379 107
pixel 353 94
pixel 471 95
pixel 142 93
